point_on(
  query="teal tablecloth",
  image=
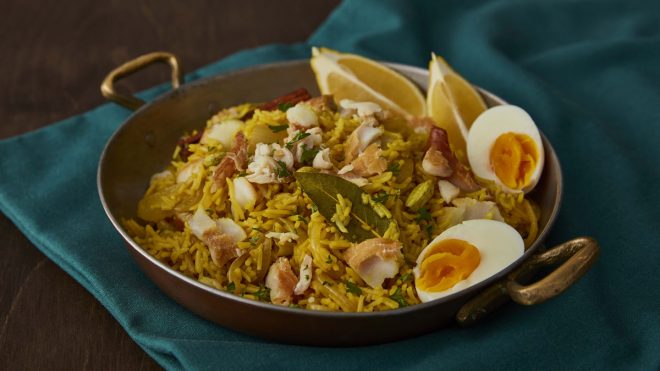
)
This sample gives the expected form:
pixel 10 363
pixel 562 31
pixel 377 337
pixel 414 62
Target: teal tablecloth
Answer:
pixel 587 71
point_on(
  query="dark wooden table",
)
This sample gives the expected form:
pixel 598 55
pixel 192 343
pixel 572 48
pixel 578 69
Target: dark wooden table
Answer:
pixel 53 56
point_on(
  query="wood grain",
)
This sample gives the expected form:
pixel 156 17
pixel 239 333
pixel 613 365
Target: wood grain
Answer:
pixel 53 56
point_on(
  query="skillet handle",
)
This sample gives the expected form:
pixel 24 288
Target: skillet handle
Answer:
pixel 129 101
pixel 576 257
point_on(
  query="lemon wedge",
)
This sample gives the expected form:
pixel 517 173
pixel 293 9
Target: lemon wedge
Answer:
pixel 452 103
pixel 349 76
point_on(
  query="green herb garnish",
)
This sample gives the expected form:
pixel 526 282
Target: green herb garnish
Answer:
pixel 398 297
pixel 380 197
pixel 297 138
pixel 294 306
pixel 263 294
pixel 405 277
pixel 326 283
pixel 394 168
pixel 329 259
pixel 278 128
pixel 429 230
pixel 231 287
pixel 254 240
pixel 352 288
pixel 308 154
pixel 423 214
pixel 284 106
pixel 282 171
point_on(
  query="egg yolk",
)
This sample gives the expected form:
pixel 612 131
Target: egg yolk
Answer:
pixel 514 157
pixel 447 263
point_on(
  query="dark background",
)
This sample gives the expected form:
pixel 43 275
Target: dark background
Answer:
pixel 53 56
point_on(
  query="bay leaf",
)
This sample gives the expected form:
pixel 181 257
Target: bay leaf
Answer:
pixel 323 189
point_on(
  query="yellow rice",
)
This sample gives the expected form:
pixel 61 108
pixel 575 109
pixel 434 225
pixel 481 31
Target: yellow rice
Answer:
pixel 285 208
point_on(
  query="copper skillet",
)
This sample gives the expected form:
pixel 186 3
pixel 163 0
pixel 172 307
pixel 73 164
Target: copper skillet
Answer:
pixel 142 146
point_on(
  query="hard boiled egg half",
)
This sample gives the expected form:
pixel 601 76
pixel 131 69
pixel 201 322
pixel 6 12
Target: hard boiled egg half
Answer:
pixel 504 146
pixel 465 255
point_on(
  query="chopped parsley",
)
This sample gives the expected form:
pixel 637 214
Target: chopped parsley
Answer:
pixel 394 168
pixel 429 230
pixel 297 138
pixel 308 154
pixel 282 171
pixel 307 276
pixel 284 106
pixel 278 128
pixel 326 283
pixel 263 294
pixel 315 208
pixel 423 214
pixel 254 240
pixel 257 229
pixel 405 277
pixel 301 218
pixel 329 260
pixel 380 197
pixel 352 288
pixel 231 287
pixel 399 298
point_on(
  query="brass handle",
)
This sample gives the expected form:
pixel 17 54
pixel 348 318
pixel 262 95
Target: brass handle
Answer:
pixel 129 101
pixel 577 255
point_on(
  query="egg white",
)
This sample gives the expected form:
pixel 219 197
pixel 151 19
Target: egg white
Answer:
pixel 487 128
pixel 498 243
